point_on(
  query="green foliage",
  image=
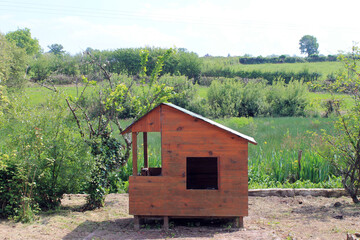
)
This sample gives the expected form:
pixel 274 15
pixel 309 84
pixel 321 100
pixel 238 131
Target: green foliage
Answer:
pixel 183 89
pixel 223 97
pixel 22 39
pixel 308 44
pixel 283 166
pixel 47 157
pixel 12 65
pixel 189 65
pixel 236 122
pixel 287 59
pixel 271 76
pixel 275 160
pixel 115 97
pixel 40 68
pixel 4 101
pixel 287 99
pixel 255 98
pixel 343 146
pixel 54 69
pixel 56 49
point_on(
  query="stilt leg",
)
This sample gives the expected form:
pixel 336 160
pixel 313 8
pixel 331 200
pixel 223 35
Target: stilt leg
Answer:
pixel 136 222
pixel 239 222
pixel 166 223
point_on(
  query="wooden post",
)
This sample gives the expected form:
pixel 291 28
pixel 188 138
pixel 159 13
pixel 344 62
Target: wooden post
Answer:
pixel 239 222
pixel 299 162
pixel 136 222
pixel 166 223
pixel 145 142
pixel 134 152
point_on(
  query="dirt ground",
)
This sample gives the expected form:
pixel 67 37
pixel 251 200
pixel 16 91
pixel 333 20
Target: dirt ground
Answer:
pixel 269 218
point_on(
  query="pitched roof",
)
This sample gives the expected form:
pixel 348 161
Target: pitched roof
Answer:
pixel 248 138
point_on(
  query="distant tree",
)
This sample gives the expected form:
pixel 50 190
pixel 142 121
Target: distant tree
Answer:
pixel 189 65
pixel 308 44
pixel 22 38
pixel 56 49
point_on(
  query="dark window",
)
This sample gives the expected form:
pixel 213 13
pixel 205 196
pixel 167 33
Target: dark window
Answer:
pixel 201 173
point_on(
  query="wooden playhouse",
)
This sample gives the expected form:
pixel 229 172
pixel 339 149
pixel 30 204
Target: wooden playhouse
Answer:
pixel 204 169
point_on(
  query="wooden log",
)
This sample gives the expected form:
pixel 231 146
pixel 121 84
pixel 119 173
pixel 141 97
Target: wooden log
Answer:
pixel 134 152
pixel 317 192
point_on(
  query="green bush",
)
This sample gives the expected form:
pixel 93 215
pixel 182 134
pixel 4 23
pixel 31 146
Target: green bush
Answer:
pixel 223 97
pixel 47 157
pixel 184 89
pixel 287 99
pixel 233 98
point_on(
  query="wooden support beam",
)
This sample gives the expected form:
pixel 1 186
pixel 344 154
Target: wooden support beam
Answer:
pixel 145 142
pixel 239 222
pixel 166 223
pixel 134 153
pixel 136 222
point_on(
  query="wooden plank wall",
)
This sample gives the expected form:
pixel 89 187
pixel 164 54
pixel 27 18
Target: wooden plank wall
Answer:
pixel 185 136
pixel 150 123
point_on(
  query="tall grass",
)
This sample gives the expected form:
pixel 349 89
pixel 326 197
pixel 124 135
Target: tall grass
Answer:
pixel 274 161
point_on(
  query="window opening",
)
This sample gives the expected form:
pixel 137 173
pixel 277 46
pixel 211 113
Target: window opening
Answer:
pixel 202 173
pixel 150 154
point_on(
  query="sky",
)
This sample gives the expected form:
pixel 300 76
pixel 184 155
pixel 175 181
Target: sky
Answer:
pixel 214 27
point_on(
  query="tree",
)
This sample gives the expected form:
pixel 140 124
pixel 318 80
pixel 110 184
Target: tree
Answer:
pixel 110 152
pixel 308 44
pixel 22 38
pixel 56 49
pixel 189 65
pixel 13 64
pixel 343 146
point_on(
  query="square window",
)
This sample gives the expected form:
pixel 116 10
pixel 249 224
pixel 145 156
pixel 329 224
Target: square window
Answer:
pixel 202 173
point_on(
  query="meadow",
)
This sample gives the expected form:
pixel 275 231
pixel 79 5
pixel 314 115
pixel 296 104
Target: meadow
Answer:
pixel 273 162
pixel 324 68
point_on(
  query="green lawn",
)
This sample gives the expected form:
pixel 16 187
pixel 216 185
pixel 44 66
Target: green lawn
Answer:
pixel 37 94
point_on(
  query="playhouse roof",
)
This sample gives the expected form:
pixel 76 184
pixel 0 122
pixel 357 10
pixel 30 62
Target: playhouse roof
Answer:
pixel 248 138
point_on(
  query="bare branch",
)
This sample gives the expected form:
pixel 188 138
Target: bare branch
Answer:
pixel 76 118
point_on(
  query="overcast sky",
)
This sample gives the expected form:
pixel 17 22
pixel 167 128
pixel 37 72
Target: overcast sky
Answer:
pixel 215 27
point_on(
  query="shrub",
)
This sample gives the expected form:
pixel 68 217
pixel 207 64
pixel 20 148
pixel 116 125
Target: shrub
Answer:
pixel 47 158
pixel 287 99
pixel 237 99
pixel 223 97
pixel 183 88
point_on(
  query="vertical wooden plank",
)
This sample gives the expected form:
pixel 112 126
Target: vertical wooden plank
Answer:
pixel 166 223
pixel 136 222
pixel 239 222
pixel 134 152
pixel 145 142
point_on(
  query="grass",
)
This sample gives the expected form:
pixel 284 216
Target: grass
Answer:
pixel 273 162
pixel 37 94
pixel 325 68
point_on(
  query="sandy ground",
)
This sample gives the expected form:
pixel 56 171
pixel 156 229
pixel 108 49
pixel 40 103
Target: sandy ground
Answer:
pixel 269 218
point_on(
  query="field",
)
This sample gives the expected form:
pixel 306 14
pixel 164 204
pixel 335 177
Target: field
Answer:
pixel 274 161
pixel 269 218
pixel 325 68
